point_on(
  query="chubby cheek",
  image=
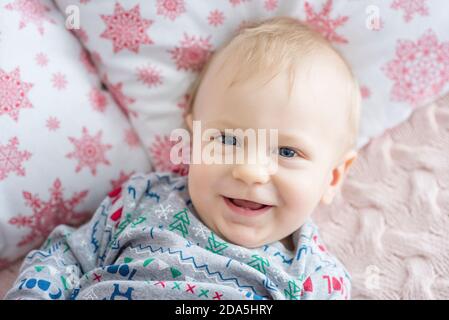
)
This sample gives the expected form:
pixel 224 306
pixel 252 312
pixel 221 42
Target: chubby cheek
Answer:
pixel 202 181
pixel 300 193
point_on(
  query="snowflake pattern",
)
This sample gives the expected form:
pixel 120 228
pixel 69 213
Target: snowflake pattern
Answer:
pixel 410 8
pixel 200 231
pixel 49 214
pixel 120 98
pixel 170 9
pixel 420 69
pixel 160 151
pixel 323 23
pixel 98 99
pixel 237 2
pixel 126 29
pixel 11 159
pixel 89 151
pixel 52 124
pixel 149 76
pixel 131 138
pixel 216 18
pixel 59 81
pixel 271 5
pixel 13 93
pixel 31 11
pixel 192 54
pixel 41 59
pixel 163 211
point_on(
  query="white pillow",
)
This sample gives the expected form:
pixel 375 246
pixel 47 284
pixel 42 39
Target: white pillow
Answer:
pixel 64 143
pixel 154 49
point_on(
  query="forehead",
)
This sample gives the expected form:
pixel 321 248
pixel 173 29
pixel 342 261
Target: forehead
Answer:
pixel 317 98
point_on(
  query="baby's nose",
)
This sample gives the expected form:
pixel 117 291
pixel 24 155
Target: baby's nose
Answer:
pixel 251 173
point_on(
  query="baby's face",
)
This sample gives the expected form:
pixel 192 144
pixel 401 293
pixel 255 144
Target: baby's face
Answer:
pixel 309 125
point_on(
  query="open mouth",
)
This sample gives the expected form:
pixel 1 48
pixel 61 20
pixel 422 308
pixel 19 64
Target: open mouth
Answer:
pixel 246 207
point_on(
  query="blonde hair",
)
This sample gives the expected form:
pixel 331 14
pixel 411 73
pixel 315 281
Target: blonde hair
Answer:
pixel 271 46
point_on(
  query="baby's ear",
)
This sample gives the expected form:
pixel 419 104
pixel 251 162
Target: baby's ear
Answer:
pixel 337 176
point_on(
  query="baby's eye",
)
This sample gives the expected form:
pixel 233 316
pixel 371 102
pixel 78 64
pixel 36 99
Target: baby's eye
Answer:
pixel 229 140
pixel 287 152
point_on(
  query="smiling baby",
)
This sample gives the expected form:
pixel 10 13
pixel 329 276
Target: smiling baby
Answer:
pixel 227 230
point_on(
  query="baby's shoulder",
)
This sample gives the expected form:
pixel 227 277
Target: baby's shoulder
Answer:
pixel 314 254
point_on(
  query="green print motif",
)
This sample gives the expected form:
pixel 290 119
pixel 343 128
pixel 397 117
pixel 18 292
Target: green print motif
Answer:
pixel 293 291
pixel 259 263
pixel 122 226
pixel 180 223
pixel 175 272
pixel 215 246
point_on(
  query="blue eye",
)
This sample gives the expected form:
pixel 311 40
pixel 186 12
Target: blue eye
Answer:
pixel 232 140
pixel 287 152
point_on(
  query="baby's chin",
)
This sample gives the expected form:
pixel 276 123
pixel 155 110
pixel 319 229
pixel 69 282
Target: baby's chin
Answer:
pixel 242 238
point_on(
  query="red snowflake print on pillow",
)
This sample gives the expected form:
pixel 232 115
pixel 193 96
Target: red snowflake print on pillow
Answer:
pixel 89 151
pixel 11 158
pixel 237 2
pixel 41 59
pixel 120 98
pixel 192 54
pixel 126 29
pixel 420 69
pixel 410 8
pixel 13 94
pixel 49 214
pixel 216 18
pixel 323 23
pixel 98 99
pixel 160 153
pixel 149 76
pixel 170 8
pixel 52 124
pixel 59 81
pixel 31 11
pixel 271 5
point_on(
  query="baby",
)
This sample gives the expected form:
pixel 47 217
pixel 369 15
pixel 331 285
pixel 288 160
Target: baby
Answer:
pixel 226 231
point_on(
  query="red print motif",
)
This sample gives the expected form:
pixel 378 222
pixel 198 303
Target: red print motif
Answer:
pixel 192 54
pixel 89 151
pixel 160 150
pixel 420 69
pixel 126 29
pixel 324 24
pixel 149 76
pixel 13 94
pixel 170 8
pixel 216 18
pixel 31 11
pixel 410 8
pixel 49 214
pixel 11 159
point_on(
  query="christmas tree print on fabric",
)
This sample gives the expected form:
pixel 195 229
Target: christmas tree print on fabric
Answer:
pixel 180 223
pixel 216 246
pixel 259 263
